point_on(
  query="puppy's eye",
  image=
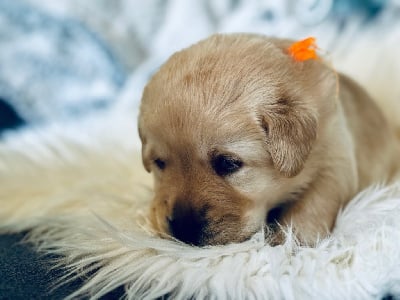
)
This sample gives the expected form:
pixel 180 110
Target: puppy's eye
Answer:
pixel 159 163
pixel 225 165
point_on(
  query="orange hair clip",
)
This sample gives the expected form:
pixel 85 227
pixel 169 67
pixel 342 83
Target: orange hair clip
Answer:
pixel 304 49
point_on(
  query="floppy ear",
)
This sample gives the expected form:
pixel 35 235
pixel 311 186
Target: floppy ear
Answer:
pixel 291 130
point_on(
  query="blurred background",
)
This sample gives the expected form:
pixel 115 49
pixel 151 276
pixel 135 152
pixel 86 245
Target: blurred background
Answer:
pixel 67 59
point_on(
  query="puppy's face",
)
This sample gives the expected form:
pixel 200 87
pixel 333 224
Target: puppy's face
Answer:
pixel 227 126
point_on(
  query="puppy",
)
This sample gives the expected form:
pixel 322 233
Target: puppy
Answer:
pixel 238 134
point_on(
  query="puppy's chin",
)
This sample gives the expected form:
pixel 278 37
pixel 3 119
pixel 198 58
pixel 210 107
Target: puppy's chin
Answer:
pixel 225 238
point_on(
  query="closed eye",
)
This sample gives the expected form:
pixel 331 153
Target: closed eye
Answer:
pixel 225 165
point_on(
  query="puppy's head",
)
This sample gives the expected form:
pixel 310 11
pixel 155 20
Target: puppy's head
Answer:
pixel 227 126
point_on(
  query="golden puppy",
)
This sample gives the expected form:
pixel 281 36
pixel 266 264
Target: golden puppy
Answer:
pixel 238 134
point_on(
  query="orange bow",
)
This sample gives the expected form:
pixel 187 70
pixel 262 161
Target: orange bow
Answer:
pixel 304 49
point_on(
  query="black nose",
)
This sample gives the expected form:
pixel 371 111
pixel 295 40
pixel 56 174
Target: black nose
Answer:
pixel 186 225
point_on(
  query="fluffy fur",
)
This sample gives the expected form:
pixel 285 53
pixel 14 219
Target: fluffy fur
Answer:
pixel 307 139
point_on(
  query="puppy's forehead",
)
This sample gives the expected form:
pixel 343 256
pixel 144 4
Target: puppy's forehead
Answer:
pixel 203 133
pixel 218 71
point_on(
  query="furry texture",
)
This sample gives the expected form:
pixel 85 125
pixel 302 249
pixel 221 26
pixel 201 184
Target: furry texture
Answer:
pixel 308 139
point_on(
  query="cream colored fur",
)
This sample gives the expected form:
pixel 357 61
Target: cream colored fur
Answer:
pixel 310 138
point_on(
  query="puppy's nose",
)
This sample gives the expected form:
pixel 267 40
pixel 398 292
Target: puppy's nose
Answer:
pixel 186 225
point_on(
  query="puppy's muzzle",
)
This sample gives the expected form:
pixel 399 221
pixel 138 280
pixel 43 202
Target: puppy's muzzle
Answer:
pixel 187 225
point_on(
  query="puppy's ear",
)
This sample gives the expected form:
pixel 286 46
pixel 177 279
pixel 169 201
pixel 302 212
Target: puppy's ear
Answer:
pixel 291 130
